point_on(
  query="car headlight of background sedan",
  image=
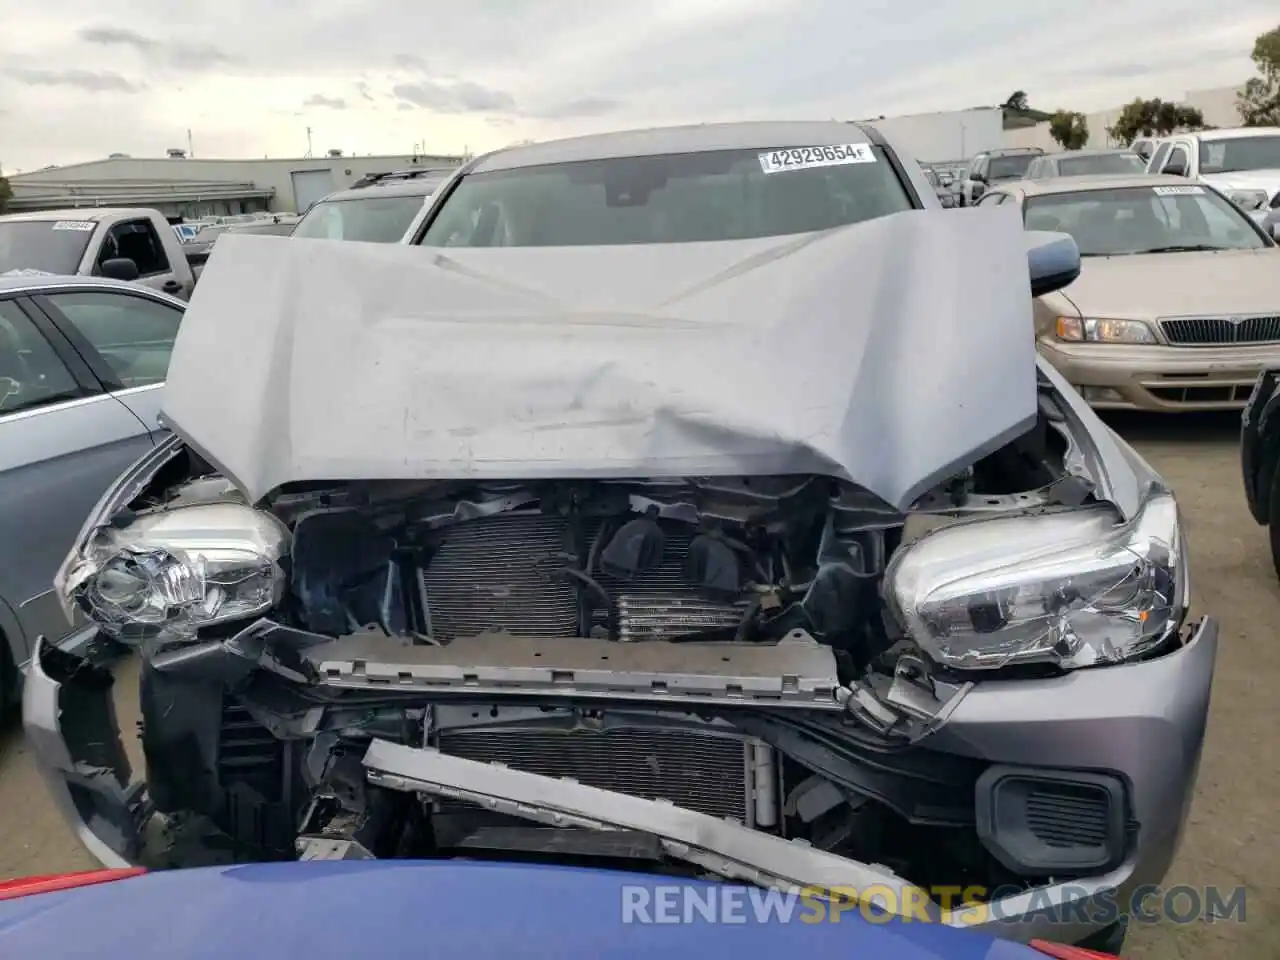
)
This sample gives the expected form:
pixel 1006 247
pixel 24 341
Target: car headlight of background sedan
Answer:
pixel 1103 330
pixel 170 572
pixel 1069 589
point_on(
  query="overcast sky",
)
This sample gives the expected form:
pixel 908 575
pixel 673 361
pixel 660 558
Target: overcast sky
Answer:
pixel 80 79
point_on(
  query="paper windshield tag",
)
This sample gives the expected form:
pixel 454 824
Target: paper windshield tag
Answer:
pixel 1187 191
pixel 84 226
pixel 806 158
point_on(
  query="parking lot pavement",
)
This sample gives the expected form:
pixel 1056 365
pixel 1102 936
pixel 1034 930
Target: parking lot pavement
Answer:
pixel 1228 842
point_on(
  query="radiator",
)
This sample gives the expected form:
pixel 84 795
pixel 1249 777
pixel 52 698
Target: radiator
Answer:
pixel 500 574
pixel 495 574
pixel 699 771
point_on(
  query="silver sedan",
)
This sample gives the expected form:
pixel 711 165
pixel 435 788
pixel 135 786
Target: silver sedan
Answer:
pixel 82 368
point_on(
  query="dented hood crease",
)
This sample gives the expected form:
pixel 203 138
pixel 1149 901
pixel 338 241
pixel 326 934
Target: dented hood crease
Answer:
pixel 889 353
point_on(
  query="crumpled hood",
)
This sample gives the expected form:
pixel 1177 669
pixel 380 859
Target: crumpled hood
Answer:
pixel 889 353
pixel 1150 285
pixel 1268 180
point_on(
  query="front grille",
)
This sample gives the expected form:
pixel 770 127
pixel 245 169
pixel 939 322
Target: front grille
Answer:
pixel 1228 394
pixel 702 772
pixel 1205 331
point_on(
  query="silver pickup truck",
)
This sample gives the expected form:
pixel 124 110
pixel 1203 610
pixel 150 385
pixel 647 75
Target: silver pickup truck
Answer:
pixel 123 244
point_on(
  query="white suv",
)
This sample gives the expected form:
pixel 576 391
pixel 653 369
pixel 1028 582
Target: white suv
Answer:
pixel 1243 163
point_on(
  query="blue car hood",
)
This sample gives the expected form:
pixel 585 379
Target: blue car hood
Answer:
pixel 438 911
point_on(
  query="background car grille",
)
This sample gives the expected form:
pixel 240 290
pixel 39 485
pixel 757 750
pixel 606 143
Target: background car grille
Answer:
pixel 1202 331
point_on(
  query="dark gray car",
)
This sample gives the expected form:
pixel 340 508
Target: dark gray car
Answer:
pixel 82 367
pixel 378 209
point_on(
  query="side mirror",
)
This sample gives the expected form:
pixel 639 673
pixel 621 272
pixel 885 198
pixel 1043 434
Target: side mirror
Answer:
pixel 1275 230
pixel 978 190
pixel 120 268
pixel 1053 260
pixel 1175 169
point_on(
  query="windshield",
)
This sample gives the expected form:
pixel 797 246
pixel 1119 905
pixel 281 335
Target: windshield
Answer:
pixel 1100 163
pixel 671 198
pixel 372 219
pixel 1009 168
pixel 1130 220
pixel 53 246
pixel 1240 153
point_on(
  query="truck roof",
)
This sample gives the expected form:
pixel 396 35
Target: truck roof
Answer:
pixel 86 214
pixel 694 138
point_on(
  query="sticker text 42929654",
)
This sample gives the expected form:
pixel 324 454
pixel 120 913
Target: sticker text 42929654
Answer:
pixel 803 158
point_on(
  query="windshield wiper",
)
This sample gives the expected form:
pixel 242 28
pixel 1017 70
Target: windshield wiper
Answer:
pixel 1183 248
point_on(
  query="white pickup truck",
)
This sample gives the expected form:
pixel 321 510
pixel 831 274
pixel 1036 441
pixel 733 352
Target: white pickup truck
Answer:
pixel 125 244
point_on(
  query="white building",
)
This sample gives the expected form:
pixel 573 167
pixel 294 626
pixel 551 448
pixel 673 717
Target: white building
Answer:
pixel 940 137
pixel 1218 105
pixel 183 187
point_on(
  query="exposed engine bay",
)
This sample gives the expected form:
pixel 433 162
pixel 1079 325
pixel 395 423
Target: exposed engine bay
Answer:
pixel 724 645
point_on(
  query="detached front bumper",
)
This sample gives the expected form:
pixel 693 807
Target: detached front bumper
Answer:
pixel 1142 722
pixel 1159 377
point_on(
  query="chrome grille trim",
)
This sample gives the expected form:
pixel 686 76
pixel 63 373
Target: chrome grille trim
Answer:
pixel 1221 330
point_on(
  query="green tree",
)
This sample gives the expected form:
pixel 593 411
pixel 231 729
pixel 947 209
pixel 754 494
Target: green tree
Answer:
pixel 1017 101
pixel 1259 101
pixel 1069 128
pixel 6 194
pixel 1144 118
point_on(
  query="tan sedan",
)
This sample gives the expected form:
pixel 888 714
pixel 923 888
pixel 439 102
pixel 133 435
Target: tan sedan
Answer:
pixel 1178 303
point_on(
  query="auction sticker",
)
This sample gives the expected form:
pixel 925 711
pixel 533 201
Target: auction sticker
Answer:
pixel 1178 191
pixel 806 158
pixel 84 226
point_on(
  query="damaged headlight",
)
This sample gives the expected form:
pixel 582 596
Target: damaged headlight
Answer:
pixel 1073 589
pixel 173 571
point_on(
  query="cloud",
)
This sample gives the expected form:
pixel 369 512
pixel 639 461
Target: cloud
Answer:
pixel 79 79
pixel 461 96
pixel 496 71
pixel 197 56
pixel 586 107
pixel 320 100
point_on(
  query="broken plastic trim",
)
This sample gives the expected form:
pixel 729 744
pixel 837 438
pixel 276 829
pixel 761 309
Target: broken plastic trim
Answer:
pixel 726 848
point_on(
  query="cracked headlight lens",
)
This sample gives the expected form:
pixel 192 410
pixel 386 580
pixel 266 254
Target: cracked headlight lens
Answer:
pixel 1071 589
pixel 170 572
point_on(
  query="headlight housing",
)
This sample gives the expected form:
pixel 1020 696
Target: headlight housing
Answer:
pixel 1069 589
pixel 1103 330
pixel 173 571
